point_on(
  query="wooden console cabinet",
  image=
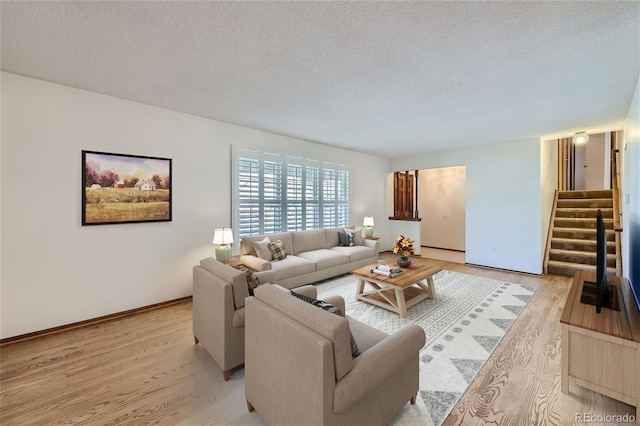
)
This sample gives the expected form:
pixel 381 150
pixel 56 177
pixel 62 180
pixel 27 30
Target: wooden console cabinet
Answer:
pixel 601 352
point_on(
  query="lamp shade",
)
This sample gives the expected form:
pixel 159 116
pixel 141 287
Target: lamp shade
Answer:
pixel 368 221
pixel 223 236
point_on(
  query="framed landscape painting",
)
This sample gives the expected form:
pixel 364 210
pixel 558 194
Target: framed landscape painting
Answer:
pixel 120 188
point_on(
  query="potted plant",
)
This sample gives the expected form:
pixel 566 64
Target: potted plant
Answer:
pixel 404 247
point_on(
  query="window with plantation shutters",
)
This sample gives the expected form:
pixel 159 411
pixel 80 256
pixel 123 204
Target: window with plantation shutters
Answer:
pixel 277 193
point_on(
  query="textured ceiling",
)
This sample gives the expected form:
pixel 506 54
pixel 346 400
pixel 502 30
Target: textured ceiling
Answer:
pixel 387 78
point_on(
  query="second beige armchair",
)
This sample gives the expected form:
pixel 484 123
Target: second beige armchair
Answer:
pixel 219 293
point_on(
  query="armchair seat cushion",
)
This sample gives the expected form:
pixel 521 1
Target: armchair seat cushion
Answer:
pixel 237 320
pixel 366 336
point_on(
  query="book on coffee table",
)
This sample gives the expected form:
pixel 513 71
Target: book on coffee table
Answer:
pixel 386 270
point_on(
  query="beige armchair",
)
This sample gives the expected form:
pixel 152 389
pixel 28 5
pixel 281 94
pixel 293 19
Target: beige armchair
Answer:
pixel 219 293
pixel 299 368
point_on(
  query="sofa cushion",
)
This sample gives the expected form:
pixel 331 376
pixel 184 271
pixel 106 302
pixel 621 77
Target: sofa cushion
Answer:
pixel 236 278
pixel 330 308
pixel 287 240
pixel 308 240
pixel 325 258
pixel 355 253
pixel 262 249
pixel 277 250
pixel 292 266
pixel 247 243
pixel 331 236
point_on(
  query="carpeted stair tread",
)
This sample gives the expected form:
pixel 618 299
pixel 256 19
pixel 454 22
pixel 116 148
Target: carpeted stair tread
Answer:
pixel 580 233
pixel 567 222
pixel 598 203
pixel 583 213
pixel 580 244
pixel 568 268
pixel 604 193
pixel 576 256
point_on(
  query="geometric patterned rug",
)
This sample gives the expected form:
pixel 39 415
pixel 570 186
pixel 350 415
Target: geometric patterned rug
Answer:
pixel 462 327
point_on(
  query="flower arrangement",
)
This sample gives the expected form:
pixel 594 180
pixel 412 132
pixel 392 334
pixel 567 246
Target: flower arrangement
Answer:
pixel 403 246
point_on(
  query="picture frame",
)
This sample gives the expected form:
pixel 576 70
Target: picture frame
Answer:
pixel 124 188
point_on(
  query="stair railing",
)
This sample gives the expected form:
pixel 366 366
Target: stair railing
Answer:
pixel 552 218
pixel 617 213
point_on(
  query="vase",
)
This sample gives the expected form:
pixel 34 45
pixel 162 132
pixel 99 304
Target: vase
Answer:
pixel 404 261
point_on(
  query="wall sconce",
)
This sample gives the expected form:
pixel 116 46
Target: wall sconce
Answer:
pixel 223 237
pixel 368 226
pixel 580 138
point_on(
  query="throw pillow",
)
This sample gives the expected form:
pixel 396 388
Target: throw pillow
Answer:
pixel 262 249
pixel 355 351
pixel 277 250
pixel 342 238
pixel 357 235
pixel 350 238
pixel 346 238
pixel 252 279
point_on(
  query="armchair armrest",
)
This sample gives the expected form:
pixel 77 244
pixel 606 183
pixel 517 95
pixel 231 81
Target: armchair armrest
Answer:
pixel 266 277
pixel 336 301
pixel 255 262
pixel 376 364
pixel 307 290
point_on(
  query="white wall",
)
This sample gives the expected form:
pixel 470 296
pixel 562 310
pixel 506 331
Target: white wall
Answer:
pixel 408 228
pixel 503 226
pixel 442 204
pixel 548 184
pixel 54 271
pixel 630 192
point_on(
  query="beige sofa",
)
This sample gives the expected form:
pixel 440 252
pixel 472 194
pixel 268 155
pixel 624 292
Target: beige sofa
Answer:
pixel 311 255
pixel 299 367
pixel 219 293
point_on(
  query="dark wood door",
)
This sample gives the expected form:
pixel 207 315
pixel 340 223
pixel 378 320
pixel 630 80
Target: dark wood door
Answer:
pixel 403 195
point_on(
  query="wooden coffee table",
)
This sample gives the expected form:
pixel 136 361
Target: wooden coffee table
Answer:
pixel 398 294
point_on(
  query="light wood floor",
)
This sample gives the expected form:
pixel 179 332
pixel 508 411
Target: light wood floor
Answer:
pixel 442 254
pixel 146 369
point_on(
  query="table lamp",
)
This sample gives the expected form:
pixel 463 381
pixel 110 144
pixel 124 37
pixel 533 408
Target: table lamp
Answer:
pixel 223 237
pixel 368 226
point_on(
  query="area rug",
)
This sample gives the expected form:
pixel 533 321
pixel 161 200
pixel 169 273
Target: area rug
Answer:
pixel 462 327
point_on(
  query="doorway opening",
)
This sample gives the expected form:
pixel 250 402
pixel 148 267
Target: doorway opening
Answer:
pixel 438 201
pixel 587 166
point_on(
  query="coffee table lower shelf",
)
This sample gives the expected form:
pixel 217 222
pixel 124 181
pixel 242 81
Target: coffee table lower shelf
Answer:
pixel 394 298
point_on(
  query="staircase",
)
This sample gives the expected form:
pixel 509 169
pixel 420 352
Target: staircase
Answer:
pixel 572 245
